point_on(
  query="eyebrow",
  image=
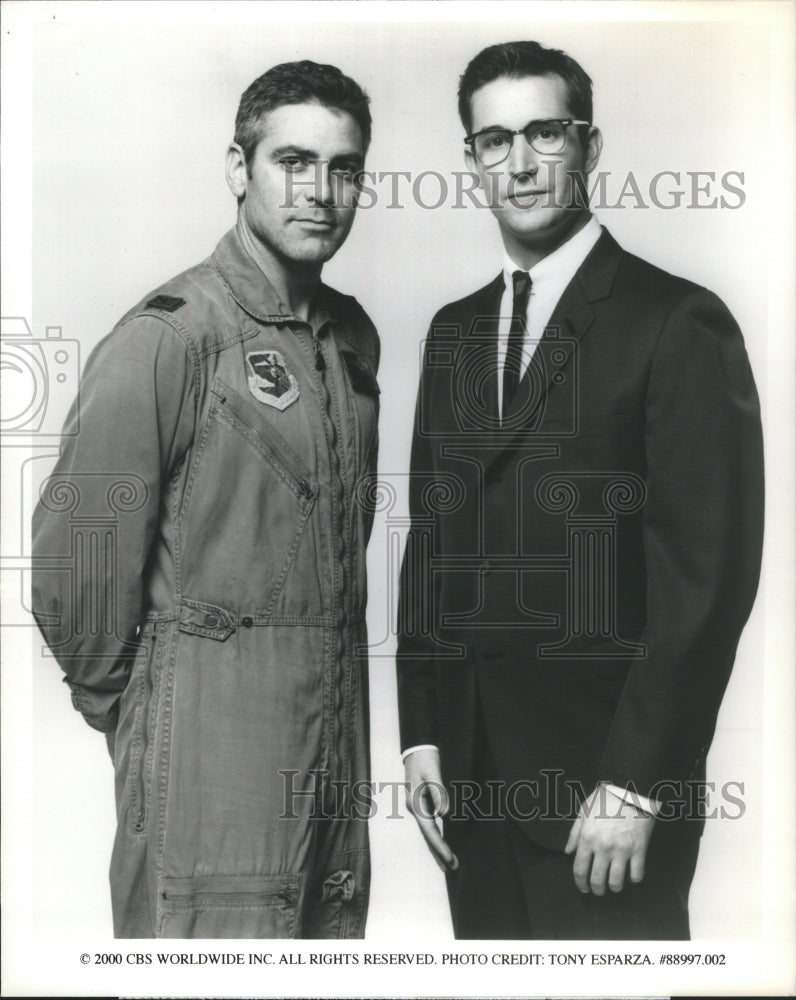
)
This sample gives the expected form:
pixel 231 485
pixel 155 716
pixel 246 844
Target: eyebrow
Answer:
pixel 353 157
pixel 533 121
pixel 309 154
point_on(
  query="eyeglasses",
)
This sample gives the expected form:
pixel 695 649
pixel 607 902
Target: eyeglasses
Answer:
pixel 493 145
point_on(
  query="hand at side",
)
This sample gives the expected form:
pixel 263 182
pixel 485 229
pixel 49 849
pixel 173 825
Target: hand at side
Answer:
pixel 427 801
pixel 608 838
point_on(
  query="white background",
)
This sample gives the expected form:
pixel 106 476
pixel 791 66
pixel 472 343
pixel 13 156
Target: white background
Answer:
pixel 124 112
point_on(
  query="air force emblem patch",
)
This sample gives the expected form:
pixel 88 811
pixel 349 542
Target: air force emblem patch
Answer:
pixel 269 380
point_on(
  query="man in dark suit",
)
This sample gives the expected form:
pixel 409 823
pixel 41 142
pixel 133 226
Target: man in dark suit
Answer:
pixel 587 503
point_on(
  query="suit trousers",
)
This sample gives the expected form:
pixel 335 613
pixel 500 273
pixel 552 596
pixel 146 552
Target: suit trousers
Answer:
pixel 507 887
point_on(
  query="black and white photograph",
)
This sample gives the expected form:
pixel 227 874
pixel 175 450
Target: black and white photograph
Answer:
pixel 397 469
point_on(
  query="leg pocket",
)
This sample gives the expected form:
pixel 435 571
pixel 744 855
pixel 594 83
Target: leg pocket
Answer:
pixel 338 903
pixel 230 906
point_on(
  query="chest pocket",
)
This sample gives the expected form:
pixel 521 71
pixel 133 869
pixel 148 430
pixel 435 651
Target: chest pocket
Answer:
pixel 248 501
pixel 363 378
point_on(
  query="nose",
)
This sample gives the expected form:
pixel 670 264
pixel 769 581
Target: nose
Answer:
pixel 522 158
pixel 323 190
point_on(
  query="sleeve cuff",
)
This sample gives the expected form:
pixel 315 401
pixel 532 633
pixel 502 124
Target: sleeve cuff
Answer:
pixel 649 806
pixel 420 746
pixel 99 710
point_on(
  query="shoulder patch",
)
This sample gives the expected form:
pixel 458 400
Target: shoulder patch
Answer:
pixel 170 303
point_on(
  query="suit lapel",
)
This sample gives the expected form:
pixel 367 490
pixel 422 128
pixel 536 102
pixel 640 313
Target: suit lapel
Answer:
pixel 550 370
pixel 475 370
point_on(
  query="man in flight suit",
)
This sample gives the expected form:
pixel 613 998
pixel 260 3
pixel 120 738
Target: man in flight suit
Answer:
pixel 201 554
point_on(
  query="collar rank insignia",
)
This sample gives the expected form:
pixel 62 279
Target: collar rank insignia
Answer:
pixel 269 380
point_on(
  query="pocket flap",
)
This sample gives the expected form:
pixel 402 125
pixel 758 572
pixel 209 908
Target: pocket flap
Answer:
pixel 206 619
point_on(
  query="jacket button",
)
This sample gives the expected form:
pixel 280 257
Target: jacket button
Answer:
pixel 246 622
pixel 485 568
pixel 211 621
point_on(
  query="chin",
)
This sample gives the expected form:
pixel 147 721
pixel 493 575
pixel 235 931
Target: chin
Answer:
pixel 314 254
pixel 539 223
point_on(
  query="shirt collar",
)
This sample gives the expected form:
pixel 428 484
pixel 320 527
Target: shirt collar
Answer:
pixel 561 263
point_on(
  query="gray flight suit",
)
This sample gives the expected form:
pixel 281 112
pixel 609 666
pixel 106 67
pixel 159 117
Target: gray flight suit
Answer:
pixel 200 577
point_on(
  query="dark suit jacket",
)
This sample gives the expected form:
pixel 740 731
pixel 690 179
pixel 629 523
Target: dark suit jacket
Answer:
pixel 581 575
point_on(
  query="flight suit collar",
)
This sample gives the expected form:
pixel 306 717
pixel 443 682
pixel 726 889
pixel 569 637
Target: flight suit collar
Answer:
pixel 252 290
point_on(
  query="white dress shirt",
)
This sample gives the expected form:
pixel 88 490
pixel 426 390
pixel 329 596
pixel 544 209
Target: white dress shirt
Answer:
pixel 549 278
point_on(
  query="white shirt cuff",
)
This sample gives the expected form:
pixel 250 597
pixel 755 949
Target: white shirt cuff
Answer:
pixel 420 746
pixel 639 801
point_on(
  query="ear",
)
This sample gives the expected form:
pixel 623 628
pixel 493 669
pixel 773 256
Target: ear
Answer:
pixel 236 171
pixel 594 146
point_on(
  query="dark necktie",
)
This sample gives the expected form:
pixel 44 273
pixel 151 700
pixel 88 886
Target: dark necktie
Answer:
pixel 511 369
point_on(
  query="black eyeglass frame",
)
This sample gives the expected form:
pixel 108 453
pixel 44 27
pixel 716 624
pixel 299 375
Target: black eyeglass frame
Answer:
pixel 536 122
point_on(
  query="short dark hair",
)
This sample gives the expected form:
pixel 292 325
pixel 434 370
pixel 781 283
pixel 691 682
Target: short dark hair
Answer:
pixel 304 82
pixel 518 59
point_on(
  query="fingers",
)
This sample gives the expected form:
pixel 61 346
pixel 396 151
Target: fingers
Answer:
pixel 581 867
pixel 424 782
pixel 594 870
pixel 426 799
pixel 616 874
pixel 442 854
pixel 599 872
pixel 432 841
pixel 605 845
pixel 637 866
pixel 574 835
pixel 439 798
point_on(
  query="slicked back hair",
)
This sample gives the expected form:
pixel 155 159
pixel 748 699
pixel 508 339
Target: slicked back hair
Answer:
pixel 519 59
pixel 304 82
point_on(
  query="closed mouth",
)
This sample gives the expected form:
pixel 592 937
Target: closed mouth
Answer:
pixel 527 195
pixel 320 223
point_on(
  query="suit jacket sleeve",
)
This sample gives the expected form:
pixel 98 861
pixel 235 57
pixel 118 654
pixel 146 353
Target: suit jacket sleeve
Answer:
pixel 702 532
pixel 94 524
pixel 415 657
